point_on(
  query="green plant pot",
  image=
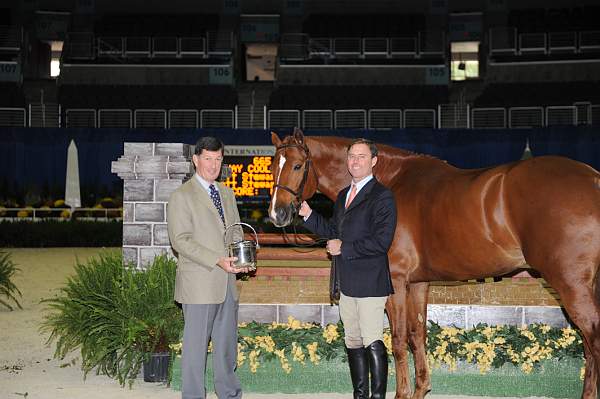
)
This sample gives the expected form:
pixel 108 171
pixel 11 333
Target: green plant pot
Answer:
pixel 156 367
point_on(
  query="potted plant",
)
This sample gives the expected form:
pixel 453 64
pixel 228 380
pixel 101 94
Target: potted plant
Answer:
pixel 116 316
pixel 8 289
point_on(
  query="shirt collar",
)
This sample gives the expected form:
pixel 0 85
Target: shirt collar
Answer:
pixel 363 182
pixel 204 183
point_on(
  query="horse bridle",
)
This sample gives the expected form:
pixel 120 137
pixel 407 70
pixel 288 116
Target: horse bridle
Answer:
pixel 307 163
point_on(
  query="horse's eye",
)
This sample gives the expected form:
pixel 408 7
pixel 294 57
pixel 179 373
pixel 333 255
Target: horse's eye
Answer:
pixel 297 167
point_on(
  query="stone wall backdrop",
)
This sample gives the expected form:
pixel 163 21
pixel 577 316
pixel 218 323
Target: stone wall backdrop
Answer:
pixel 150 173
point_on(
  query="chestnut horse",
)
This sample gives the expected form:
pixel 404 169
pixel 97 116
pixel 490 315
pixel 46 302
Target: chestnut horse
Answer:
pixel 456 224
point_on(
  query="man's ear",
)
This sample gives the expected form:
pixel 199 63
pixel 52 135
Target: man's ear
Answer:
pixel 374 161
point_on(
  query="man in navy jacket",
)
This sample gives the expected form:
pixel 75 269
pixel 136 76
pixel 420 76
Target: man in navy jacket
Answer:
pixel 360 234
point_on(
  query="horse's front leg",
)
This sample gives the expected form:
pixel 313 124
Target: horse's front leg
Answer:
pixel 417 335
pixel 397 309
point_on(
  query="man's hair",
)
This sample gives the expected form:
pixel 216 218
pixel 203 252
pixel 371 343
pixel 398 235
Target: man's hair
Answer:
pixel 208 143
pixel 370 143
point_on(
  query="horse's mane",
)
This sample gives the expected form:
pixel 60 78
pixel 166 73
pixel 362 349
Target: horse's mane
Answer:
pixel 384 149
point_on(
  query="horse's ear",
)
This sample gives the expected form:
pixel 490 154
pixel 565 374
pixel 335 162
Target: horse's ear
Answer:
pixel 298 135
pixel 275 139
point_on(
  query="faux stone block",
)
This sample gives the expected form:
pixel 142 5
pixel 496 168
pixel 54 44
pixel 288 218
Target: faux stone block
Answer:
pixel 304 313
pixel 148 254
pixel 171 149
pixel 137 234
pixel 494 315
pixel 331 314
pixel 261 313
pixel 123 165
pixel 165 187
pixel 447 315
pixel 128 212
pixel 138 149
pixel 161 234
pixel 138 190
pixel 182 167
pixel 552 315
pixel 130 255
pixel 152 165
pixel 150 212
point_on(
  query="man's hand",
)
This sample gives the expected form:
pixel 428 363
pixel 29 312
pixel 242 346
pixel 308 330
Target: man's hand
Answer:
pixel 334 247
pixel 226 263
pixel 304 210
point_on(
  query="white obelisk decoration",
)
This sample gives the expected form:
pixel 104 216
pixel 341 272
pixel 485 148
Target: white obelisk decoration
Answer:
pixel 72 192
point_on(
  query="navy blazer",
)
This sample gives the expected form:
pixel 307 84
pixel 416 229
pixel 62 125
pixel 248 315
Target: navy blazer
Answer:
pixel 366 229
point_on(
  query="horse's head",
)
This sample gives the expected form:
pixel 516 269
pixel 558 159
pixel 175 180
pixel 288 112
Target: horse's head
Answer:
pixel 294 176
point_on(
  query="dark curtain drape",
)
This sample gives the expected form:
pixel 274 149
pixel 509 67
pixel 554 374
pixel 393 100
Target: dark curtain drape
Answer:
pixel 35 159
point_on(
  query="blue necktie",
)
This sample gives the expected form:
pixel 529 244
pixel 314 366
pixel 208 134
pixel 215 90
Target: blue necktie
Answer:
pixel 214 195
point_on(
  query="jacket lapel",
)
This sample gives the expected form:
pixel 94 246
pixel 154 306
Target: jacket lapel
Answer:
pixel 362 195
pixel 205 199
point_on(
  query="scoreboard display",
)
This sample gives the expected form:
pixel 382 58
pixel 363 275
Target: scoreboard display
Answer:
pixel 249 171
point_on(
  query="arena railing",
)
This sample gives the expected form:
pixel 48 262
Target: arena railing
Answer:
pixel 44 115
pixel 150 118
pixel 217 118
pixel 347 47
pixel 11 38
pixel 385 119
pixel 137 46
pixel 320 47
pixel 317 119
pixel 595 115
pixel 192 46
pixel 589 41
pixel 294 47
pixel 80 117
pixel 419 118
pixel 561 42
pixel 525 117
pixel 503 40
pixel 219 42
pixel 13 117
pixel 114 118
pixel 79 45
pixel 165 46
pixel 283 118
pixel 532 43
pixel 561 115
pixel 183 118
pixel 403 46
pixel 111 46
pixel 432 43
pixel 453 116
pixel 350 119
pixel 488 118
pixel 376 47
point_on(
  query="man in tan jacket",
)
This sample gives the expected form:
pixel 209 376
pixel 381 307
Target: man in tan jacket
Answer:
pixel 198 212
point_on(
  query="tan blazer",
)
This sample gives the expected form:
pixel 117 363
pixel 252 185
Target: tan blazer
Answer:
pixel 196 234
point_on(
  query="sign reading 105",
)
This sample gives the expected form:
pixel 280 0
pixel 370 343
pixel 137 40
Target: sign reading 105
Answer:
pixel 249 179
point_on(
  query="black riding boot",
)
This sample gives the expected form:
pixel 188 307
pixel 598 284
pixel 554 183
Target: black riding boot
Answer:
pixel 378 363
pixel 359 372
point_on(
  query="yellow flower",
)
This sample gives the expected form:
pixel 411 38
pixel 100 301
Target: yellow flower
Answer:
pixel 330 333
pixel 253 359
pixel 65 214
pixel 582 373
pixel 387 341
pixel 285 365
pixel 241 356
pixel 293 324
pixel 59 203
pixel 312 353
pixel 297 353
pixel 499 340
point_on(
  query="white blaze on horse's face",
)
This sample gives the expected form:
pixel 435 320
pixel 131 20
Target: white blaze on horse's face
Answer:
pixel 273 214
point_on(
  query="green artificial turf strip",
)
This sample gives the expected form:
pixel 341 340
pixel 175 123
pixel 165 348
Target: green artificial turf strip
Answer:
pixel 556 379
